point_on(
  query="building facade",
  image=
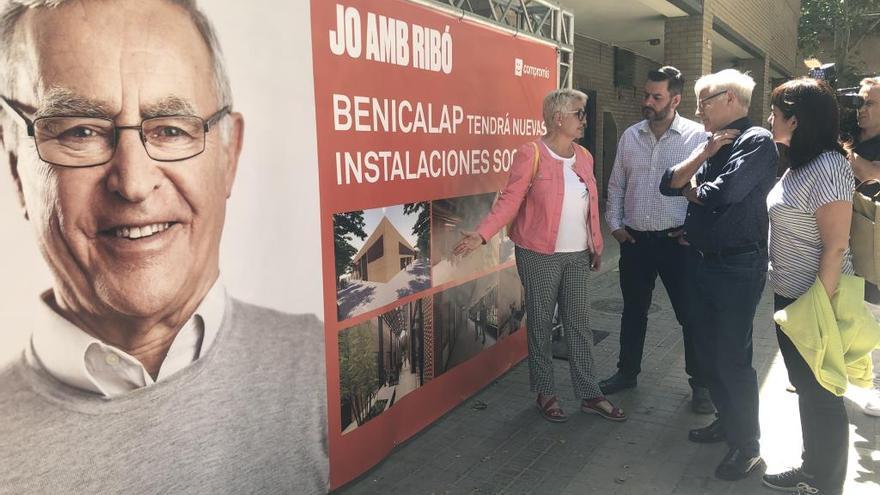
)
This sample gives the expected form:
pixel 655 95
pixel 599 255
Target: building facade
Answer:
pixel 383 256
pixel 606 48
pixel 616 43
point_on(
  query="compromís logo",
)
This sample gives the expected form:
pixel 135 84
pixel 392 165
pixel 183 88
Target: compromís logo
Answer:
pixel 521 69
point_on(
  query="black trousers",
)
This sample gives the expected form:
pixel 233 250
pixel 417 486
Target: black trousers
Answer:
pixel 724 293
pixel 824 424
pixel 653 254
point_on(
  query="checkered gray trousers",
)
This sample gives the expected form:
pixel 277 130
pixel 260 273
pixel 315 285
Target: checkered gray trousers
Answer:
pixel 549 279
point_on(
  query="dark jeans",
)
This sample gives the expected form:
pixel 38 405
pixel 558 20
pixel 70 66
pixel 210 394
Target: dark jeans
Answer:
pixel 724 293
pixel 824 424
pixel 654 253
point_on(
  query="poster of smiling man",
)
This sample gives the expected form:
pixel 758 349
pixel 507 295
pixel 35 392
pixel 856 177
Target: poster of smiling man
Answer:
pixel 152 311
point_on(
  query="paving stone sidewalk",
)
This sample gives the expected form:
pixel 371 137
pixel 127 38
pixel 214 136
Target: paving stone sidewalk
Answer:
pixel 507 447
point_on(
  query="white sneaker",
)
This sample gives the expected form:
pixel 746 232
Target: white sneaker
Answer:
pixel 872 408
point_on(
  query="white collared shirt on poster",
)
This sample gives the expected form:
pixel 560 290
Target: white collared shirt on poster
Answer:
pixel 78 359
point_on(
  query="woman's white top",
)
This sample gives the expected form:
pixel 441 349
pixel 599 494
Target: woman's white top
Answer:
pixel 573 234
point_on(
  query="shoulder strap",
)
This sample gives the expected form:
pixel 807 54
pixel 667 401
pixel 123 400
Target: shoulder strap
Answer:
pixel 534 165
pixel 869 182
pixel 535 162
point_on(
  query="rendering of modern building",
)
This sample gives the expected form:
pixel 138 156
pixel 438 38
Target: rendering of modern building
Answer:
pixel 383 256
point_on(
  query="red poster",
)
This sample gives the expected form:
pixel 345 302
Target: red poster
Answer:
pixel 418 115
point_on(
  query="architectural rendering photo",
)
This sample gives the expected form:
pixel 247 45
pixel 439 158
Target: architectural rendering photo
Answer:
pixel 382 360
pixel 381 255
pixel 510 316
pixel 448 219
pixel 466 321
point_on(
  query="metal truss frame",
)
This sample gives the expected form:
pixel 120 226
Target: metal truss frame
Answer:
pixel 539 19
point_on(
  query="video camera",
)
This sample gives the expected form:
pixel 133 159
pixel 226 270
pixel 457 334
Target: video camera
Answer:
pixel 847 98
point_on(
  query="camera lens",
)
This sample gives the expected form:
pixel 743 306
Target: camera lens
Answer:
pixel 850 100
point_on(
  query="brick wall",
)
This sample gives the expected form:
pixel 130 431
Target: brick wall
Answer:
pixel 759 109
pixel 783 42
pixel 771 25
pixel 684 38
pixel 750 18
pixel 594 70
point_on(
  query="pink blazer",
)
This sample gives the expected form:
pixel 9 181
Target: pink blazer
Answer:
pixel 537 209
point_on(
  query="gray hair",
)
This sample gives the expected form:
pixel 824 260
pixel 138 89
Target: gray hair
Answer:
pixel 13 57
pixel 558 100
pixel 739 83
pixel 869 82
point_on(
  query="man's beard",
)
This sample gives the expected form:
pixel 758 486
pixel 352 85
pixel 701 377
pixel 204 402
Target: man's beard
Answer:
pixel 657 115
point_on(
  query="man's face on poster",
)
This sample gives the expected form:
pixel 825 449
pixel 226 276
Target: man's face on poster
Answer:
pixel 133 237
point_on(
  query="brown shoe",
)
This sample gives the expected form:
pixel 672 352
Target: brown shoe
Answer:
pixel 597 405
pixel 550 408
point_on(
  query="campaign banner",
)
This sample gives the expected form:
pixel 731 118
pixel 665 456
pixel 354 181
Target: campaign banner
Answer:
pixel 418 115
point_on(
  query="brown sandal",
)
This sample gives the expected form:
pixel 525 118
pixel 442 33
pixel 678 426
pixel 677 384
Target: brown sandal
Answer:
pixel 550 409
pixel 591 406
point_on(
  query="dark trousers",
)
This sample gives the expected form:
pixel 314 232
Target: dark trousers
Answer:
pixel 824 424
pixel 724 292
pixel 653 254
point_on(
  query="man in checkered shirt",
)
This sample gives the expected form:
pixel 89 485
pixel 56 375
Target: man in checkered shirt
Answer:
pixel 648 226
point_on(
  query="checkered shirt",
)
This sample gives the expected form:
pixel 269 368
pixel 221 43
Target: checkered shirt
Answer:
pixel 634 198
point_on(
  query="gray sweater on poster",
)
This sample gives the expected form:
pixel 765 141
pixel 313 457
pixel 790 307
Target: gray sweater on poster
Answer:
pixel 247 417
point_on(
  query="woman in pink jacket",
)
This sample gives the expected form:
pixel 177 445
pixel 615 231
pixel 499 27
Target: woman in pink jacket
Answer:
pixel 555 215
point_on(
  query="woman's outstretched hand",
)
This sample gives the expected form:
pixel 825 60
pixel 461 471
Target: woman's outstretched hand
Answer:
pixel 468 243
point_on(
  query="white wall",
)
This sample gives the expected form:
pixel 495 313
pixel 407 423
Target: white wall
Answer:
pixel 270 253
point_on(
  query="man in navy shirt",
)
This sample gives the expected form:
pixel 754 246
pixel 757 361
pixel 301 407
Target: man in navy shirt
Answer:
pixel 726 181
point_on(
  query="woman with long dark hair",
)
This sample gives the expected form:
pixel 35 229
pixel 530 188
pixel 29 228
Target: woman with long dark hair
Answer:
pixel 810 211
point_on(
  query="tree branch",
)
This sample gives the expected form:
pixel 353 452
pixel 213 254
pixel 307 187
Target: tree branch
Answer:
pixel 864 35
